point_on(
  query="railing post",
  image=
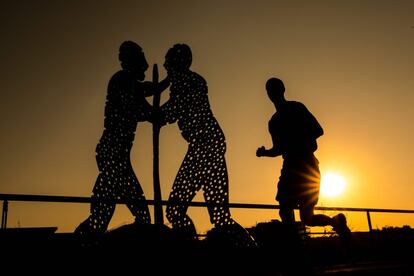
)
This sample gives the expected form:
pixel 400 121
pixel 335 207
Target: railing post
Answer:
pixel 4 214
pixel 369 222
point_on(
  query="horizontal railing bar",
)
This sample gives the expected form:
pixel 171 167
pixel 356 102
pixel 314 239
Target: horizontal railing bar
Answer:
pixel 364 210
pixel 78 199
pixel 45 198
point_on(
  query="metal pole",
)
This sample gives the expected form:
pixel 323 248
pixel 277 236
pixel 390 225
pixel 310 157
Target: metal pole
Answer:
pixel 369 222
pixel 4 214
pixel 158 214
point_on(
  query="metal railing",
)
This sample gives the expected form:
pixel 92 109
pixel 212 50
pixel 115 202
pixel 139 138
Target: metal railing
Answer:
pixel 6 198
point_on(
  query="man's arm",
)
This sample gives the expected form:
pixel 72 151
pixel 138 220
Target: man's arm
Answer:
pixel 311 125
pixel 170 111
pixel 151 88
pixel 272 152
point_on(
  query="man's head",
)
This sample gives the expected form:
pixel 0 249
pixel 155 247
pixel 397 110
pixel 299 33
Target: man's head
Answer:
pixel 178 58
pixel 133 59
pixel 275 89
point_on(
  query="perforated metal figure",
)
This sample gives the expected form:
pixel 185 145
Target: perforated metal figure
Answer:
pixel 125 107
pixel 204 166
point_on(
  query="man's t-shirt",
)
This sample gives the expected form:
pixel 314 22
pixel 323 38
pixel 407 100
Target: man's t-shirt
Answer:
pixel 294 129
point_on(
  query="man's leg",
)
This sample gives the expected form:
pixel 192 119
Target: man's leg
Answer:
pixel 135 197
pixel 286 212
pixel 216 191
pixel 308 217
pixel 338 222
pixel 184 189
pixel 101 209
pixel 341 228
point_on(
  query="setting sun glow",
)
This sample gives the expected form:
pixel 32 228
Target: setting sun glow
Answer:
pixel 332 184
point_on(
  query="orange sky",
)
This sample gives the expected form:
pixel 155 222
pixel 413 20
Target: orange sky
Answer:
pixel 350 62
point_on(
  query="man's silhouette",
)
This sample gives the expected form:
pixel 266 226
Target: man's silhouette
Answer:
pixel 204 166
pixel 294 131
pixel 125 107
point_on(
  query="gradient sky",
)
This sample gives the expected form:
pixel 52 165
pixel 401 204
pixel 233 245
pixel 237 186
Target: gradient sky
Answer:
pixel 350 62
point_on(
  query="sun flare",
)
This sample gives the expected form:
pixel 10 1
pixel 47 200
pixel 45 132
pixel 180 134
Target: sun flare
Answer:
pixel 332 184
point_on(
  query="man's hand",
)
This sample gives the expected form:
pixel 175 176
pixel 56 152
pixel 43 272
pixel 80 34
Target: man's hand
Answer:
pixel 260 151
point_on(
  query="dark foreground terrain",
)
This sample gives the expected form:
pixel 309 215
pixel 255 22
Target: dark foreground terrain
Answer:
pixel 157 250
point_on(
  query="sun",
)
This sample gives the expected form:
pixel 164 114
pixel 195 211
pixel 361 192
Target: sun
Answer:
pixel 332 184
